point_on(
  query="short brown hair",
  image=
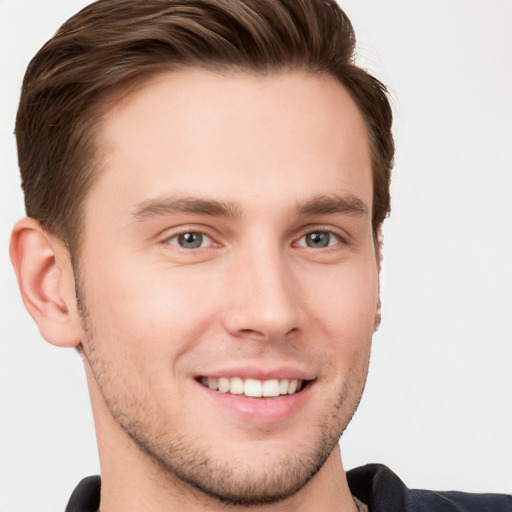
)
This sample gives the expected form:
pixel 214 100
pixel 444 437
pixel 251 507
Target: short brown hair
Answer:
pixel 114 42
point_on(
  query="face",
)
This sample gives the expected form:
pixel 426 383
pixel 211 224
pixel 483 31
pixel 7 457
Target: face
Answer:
pixel 229 281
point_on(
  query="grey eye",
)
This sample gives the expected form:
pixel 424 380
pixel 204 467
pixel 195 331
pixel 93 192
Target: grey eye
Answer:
pixel 319 239
pixel 192 240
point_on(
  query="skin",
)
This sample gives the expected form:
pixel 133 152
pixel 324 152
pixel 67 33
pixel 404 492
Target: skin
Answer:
pixel 258 166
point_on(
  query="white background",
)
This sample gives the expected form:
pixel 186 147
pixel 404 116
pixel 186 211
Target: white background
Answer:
pixel 438 406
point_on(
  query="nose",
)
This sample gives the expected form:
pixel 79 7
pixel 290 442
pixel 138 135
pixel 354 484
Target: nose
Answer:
pixel 262 297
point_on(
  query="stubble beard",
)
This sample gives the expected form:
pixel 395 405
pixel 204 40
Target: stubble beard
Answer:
pixel 235 482
pixel 231 481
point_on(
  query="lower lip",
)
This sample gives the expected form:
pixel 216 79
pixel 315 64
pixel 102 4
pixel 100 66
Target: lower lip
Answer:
pixel 260 410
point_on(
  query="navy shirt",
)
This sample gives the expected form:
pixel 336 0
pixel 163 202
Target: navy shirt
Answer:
pixel 382 490
pixel 373 484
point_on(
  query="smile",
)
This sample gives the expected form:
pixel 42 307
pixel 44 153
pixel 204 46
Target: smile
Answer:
pixel 253 388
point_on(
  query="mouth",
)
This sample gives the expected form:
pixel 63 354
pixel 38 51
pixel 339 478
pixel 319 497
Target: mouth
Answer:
pixel 254 388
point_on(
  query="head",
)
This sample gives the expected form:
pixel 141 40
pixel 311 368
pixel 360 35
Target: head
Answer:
pixel 111 46
pixel 211 177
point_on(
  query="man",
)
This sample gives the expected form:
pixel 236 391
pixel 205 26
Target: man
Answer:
pixel 205 185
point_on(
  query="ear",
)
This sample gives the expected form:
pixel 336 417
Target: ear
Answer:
pixel 378 315
pixel 378 312
pixel 45 278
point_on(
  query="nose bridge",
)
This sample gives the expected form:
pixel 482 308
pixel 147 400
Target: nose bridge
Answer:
pixel 263 297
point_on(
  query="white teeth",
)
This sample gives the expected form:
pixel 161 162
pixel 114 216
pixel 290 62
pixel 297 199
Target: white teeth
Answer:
pixel 223 384
pixel 237 386
pixel 293 386
pixel 271 388
pixel 253 387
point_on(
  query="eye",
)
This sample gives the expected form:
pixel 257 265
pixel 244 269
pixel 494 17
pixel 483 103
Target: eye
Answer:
pixel 319 239
pixel 190 240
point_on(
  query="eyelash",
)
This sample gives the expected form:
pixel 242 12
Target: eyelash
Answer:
pixel 331 234
pixel 177 236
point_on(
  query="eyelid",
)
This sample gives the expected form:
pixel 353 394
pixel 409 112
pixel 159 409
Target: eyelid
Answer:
pixel 206 238
pixel 330 233
pixel 170 233
pixel 342 236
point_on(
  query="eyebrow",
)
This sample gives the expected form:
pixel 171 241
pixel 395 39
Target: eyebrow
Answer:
pixel 320 205
pixel 196 205
pixel 328 205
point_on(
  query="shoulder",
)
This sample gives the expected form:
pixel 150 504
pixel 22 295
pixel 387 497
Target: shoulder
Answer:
pixel 86 496
pixel 383 491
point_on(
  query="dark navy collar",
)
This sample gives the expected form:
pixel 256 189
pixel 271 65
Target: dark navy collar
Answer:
pixel 373 484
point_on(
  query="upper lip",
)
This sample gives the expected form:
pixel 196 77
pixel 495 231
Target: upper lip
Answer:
pixel 260 373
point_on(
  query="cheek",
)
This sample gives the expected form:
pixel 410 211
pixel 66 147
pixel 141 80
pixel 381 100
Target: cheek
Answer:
pixel 346 298
pixel 150 312
pixel 342 314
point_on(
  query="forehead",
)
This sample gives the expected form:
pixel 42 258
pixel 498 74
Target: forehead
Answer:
pixel 195 131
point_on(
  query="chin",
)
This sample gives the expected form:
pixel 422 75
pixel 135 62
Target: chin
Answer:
pixel 236 482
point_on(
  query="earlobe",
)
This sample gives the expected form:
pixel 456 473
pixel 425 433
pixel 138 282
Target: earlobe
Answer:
pixel 46 282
